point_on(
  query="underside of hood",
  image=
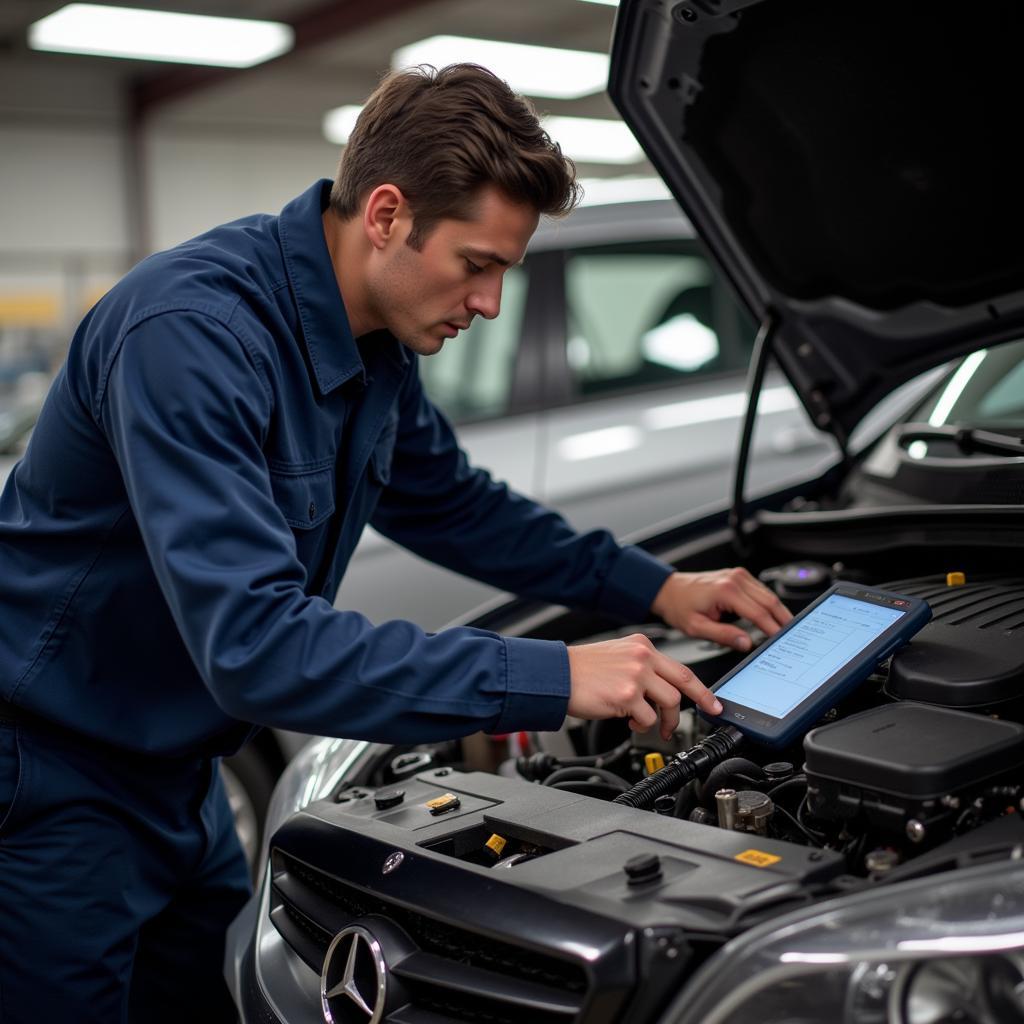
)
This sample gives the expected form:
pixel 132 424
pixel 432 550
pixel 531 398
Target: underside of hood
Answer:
pixel 852 167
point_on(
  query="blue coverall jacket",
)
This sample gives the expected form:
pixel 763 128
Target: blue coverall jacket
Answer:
pixel 199 476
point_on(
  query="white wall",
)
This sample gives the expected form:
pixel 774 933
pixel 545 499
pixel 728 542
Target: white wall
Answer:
pixel 65 222
pixel 62 189
pixel 197 179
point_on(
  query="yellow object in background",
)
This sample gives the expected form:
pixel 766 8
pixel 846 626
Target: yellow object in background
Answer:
pixel 955 579
pixel 653 762
pixel 29 310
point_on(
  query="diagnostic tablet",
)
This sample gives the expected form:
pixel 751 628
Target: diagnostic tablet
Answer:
pixel 781 690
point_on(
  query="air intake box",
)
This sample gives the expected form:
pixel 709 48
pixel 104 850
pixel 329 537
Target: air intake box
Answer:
pixel 907 761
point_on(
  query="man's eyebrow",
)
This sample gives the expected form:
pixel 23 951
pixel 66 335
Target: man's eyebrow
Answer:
pixel 493 257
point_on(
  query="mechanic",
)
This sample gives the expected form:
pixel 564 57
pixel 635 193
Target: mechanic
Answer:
pixel 224 426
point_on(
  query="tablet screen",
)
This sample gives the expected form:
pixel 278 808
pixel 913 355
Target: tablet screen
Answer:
pixel 792 667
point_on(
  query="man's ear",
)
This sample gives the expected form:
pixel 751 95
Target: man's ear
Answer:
pixel 385 215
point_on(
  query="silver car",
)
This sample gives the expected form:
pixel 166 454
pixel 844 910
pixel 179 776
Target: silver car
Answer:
pixel 611 388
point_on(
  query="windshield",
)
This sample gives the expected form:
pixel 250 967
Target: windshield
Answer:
pixel 985 390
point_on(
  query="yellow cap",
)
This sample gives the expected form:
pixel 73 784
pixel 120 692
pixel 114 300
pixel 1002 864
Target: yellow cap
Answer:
pixel 441 804
pixel 653 762
pixel 496 844
pixel 955 579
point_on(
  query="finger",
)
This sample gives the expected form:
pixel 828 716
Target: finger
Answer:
pixel 769 600
pixel 641 716
pixel 687 683
pixel 666 699
pixel 720 633
pixel 756 602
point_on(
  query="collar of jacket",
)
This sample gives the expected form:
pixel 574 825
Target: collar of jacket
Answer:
pixel 333 353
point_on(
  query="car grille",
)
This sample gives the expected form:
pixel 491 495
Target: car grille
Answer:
pixel 457 974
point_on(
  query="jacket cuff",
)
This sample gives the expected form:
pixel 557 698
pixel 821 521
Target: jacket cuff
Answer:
pixel 537 690
pixel 632 584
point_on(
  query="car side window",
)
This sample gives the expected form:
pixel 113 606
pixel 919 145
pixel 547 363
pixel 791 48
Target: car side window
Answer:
pixel 638 318
pixel 471 377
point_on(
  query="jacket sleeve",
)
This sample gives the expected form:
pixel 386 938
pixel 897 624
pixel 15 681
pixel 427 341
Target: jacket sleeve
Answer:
pixel 186 407
pixel 446 511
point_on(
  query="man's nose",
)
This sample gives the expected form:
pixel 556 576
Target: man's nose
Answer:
pixel 485 300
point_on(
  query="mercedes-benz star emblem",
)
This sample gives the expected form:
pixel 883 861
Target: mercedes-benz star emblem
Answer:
pixel 353 985
pixel 393 861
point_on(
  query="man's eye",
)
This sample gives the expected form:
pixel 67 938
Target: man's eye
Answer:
pixel 472 267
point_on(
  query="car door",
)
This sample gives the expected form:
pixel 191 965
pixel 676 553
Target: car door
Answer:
pixel 646 390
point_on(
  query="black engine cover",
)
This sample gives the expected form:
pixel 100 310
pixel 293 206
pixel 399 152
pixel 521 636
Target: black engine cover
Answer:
pixel 907 761
pixel 971 654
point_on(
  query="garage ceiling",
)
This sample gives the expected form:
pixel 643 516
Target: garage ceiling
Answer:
pixel 342 48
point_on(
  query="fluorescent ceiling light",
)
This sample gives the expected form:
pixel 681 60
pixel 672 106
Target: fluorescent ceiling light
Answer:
pixel 339 122
pixel 594 140
pixel 534 70
pixel 607 3
pixel 103 31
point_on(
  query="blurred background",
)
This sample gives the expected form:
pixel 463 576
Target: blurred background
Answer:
pixel 104 159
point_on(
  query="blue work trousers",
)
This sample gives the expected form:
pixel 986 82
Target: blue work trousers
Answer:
pixel 118 877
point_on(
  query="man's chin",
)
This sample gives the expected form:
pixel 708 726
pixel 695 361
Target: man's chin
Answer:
pixel 423 344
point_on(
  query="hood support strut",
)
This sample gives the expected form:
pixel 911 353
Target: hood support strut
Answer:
pixel 755 380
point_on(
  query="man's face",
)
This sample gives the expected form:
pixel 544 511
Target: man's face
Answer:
pixel 427 296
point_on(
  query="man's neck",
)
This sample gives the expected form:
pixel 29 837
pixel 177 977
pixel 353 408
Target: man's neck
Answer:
pixel 346 244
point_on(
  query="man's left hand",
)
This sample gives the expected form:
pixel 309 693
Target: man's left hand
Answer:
pixel 695 602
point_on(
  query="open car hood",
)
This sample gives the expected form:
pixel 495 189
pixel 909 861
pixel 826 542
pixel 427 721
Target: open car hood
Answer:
pixel 852 167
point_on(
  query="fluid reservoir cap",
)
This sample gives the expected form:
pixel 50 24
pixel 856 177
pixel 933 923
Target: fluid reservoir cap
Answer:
pixel 955 579
pixel 386 798
pixel 644 867
pixel 778 770
pixel 653 762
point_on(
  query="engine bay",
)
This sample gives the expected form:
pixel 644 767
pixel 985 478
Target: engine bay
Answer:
pixel 929 749
pixel 514 862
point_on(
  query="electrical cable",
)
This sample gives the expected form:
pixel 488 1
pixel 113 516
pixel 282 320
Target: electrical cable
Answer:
pixel 816 840
pixel 696 762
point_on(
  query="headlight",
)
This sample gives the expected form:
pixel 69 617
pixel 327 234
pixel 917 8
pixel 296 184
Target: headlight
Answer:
pixel 315 771
pixel 941 950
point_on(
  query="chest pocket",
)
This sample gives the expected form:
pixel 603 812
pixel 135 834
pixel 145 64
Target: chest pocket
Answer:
pixel 383 452
pixel 306 499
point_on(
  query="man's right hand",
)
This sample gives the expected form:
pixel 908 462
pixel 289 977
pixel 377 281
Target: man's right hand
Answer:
pixel 629 678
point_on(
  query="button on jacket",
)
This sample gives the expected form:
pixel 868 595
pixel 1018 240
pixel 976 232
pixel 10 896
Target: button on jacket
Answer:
pixel 193 490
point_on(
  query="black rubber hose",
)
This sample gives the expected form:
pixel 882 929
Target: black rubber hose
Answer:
pixel 695 763
pixel 581 773
pixel 538 766
pixel 725 776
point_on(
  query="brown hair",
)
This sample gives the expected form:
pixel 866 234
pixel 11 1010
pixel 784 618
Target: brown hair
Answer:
pixel 440 136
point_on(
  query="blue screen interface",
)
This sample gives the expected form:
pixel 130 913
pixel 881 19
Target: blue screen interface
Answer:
pixel 794 666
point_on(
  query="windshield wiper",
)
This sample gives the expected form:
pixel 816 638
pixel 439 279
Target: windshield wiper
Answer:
pixel 967 439
pixel 971 439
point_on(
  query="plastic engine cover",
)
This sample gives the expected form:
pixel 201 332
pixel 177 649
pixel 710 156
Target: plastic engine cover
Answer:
pixel 972 652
